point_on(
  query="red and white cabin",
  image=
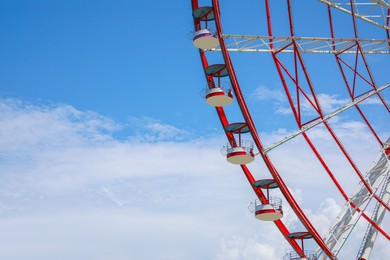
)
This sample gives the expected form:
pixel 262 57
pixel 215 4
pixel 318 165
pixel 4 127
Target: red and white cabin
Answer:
pixel 204 39
pixel 239 152
pixel 217 97
pixel 307 254
pixel 239 155
pixel 270 211
pixel 270 208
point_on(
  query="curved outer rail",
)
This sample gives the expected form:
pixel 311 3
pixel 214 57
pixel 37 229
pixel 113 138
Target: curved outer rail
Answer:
pixel 283 187
pixel 221 114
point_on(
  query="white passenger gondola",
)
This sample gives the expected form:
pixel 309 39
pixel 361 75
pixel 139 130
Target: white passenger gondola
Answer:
pixel 203 37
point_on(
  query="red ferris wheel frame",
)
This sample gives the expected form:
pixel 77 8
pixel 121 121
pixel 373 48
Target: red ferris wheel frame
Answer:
pixel 308 95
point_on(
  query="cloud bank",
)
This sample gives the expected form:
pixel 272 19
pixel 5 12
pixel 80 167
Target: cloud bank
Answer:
pixel 70 190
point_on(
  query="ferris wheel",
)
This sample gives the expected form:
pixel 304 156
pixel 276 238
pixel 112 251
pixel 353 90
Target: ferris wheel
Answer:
pixel 354 43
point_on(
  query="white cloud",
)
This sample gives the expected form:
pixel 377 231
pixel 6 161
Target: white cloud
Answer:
pixel 25 126
pixel 63 173
pixel 374 100
pixel 108 234
pixel 152 130
pixel 64 147
pixel 71 164
pixel 237 248
pixel 264 93
pixel 328 103
pixel 324 216
pixel 283 110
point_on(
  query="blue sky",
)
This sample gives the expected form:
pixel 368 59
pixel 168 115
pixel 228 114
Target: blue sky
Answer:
pixel 93 54
pixel 108 151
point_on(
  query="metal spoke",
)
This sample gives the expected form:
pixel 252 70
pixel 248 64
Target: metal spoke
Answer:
pixel 374 11
pixel 316 45
pixel 320 120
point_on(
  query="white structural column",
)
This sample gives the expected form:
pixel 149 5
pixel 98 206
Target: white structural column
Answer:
pixel 377 176
pixel 377 216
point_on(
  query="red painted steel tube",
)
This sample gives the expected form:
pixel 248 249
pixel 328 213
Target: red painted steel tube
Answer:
pixel 338 142
pixel 360 175
pixel 256 139
pixel 279 64
pixel 341 189
pixel 388 24
pixel 224 122
pixel 339 61
pixel 341 147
